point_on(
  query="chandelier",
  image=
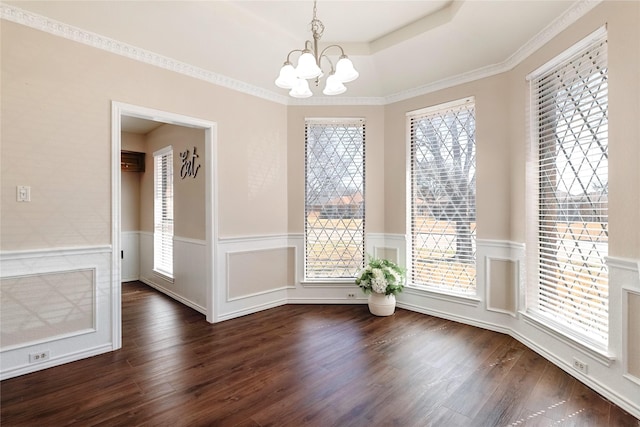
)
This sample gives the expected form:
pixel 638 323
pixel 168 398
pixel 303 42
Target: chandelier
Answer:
pixel 310 67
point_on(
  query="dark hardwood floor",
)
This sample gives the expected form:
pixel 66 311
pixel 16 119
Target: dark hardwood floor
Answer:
pixel 314 365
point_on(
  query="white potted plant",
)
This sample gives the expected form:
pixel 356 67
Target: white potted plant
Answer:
pixel 382 280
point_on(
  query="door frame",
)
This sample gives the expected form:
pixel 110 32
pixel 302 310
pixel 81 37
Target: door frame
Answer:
pixel 119 109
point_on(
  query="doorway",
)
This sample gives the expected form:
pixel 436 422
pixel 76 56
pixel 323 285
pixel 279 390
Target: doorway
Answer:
pixel 126 112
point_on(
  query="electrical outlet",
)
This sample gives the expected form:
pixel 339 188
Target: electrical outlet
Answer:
pixel 351 295
pixel 579 365
pixel 38 357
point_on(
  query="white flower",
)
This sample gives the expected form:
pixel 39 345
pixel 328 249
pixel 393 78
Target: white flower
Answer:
pixel 378 282
pixel 379 285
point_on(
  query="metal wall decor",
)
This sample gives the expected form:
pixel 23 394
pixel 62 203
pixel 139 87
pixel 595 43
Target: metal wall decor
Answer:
pixel 189 167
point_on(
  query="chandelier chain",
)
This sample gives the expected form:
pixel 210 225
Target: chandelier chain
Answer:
pixel 317 27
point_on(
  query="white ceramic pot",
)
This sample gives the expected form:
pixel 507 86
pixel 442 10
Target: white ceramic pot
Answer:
pixel 381 304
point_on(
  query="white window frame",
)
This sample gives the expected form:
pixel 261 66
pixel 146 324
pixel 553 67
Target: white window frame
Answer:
pixel 163 214
pixel 535 311
pixel 357 236
pixel 450 292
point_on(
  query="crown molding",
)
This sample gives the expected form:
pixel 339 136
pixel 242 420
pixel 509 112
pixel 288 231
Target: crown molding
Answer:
pixel 571 15
pixel 51 26
pixel 459 79
pixel 69 32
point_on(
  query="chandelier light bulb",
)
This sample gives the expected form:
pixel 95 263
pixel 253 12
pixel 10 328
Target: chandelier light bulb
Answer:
pixel 307 67
pixel 334 86
pixel 301 89
pixel 345 70
pixel 287 78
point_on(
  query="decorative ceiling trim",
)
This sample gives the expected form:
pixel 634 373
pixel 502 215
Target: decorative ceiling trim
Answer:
pixel 460 79
pixel 57 28
pixel 571 15
pixel 51 26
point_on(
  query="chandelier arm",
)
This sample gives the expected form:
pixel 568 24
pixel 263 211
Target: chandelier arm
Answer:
pixel 322 55
pixel 308 45
pixel 329 47
pixel 289 55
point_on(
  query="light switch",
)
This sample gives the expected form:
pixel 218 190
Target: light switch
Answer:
pixel 24 193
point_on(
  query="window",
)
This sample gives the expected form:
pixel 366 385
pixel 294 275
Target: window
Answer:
pixel 569 101
pixel 334 198
pixel 163 212
pixel 443 197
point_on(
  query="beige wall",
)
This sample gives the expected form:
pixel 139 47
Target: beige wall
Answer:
pixel 56 137
pixel 133 142
pixel 374 161
pixel 189 193
pixel 492 155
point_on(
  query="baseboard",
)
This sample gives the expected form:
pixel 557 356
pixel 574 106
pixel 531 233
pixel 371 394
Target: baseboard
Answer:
pixel 585 379
pixel 173 295
pixel 455 318
pixel 55 361
pixel 351 301
pixel 251 310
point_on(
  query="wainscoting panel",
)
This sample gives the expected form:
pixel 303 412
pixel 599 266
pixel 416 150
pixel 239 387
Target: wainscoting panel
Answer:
pixel 391 254
pixel 54 302
pixel 387 246
pixel 38 307
pixel 624 274
pixel 189 270
pixel 502 285
pixel 254 273
pixel 259 271
pixel 501 275
pixel 632 327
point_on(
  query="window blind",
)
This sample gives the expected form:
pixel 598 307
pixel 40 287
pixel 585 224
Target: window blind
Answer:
pixel 163 212
pixel 443 197
pixel 334 198
pixel 571 107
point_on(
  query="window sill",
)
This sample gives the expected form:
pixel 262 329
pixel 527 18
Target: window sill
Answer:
pixel 470 300
pixel 328 283
pixel 163 276
pixel 568 337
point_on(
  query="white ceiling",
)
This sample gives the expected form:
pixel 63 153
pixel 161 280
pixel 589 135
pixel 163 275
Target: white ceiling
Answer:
pixel 397 46
pixel 138 125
